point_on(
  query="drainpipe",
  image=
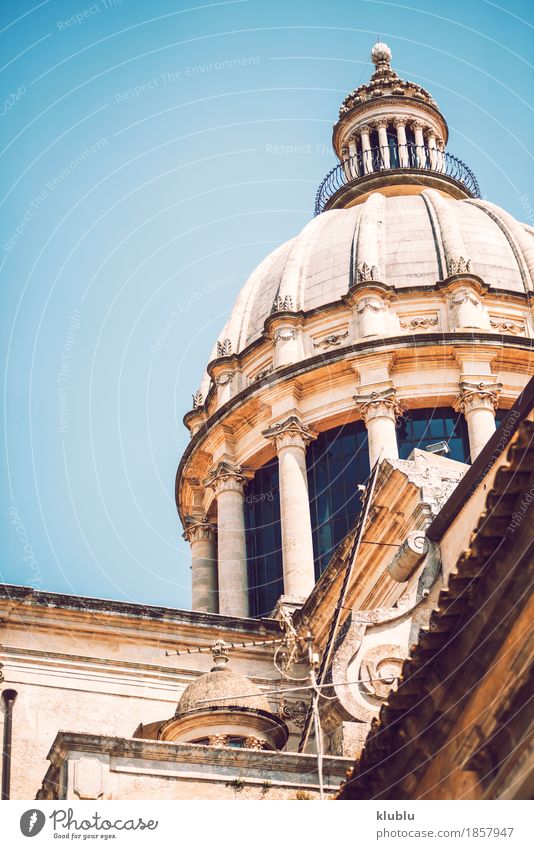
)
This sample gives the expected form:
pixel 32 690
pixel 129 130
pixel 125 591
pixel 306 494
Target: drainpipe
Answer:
pixel 8 698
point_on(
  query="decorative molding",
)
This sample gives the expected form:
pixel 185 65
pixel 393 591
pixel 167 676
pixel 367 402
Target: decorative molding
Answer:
pixel 282 304
pixel 225 378
pixel 508 325
pixel 224 348
pixel 262 373
pixel 478 396
pixel 291 432
pixel 458 266
pixel 333 340
pixel 373 303
pixel 418 322
pixel 284 336
pixel 462 296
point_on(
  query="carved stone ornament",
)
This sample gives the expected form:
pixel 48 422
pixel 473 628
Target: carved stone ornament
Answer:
pixel 264 372
pixel 477 396
pixel 197 529
pixel 284 336
pixel 295 713
pixel 374 303
pixel 459 266
pixel 507 325
pixel 365 272
pixel 291 432
pixel 224 348
pixel 463 296
pixel 225 379
pixel 198 400
pixel 419 322
pixel 333 340
pixel 380 670
pixel 282 304
pixel 227 477
pixel 377 405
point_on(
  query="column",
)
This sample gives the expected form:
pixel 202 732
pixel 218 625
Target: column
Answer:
pixel 432 150
pixel 478 402
pixel 380 410
pixel 400 125
pixel 345 161
pixel 367 157
pixel 202 539
pixel 353 158
pixel 419 144
pixel 227 481
pixel 290 439
pixel 441 154
pixel 383 142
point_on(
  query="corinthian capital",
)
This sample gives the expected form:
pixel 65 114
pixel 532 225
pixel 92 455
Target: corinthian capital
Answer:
pixel 227 477
pixel 376 405
pixel 478 396
pixel 291 432
pixel 198 528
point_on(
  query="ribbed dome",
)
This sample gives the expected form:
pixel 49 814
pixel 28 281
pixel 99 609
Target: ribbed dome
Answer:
pixel 221 688
pixel 412 240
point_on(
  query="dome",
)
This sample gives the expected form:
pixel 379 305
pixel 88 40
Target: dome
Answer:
pixel 412 240
pixel 221 688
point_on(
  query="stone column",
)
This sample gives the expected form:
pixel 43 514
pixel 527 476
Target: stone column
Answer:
pixel 400 124
pixel 290 439
pixel 367 158
pixel 432 150
pixel 202 539
pixel 441 154
pixel 419 143
pixel 380 410
pixel 346 163
pixel 478 402
pixel 353 158
pixel 227 481
pixel 383 142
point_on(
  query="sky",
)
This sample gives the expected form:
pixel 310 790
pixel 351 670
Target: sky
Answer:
pixel 153 154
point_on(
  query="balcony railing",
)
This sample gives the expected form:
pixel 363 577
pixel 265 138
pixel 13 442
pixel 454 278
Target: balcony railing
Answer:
pixel 394 157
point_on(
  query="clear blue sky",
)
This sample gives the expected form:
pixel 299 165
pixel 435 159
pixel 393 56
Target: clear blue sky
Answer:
pixel 140 188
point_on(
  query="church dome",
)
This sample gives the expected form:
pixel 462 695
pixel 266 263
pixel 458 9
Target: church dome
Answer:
pixel 223 708
pixel 401 312
pixel 221 688
pixel 406 241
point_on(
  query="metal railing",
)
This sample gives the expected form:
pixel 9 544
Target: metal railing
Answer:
pixel 394 157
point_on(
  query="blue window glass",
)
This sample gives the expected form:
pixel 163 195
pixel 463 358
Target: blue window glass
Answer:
pixel 264 540
pixel 337 461
pixel 419 428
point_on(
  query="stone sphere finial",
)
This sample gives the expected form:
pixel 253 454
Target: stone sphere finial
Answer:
pixel 380 53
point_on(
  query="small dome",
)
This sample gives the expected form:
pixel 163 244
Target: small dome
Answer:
pixel 221 688
pixel 380 53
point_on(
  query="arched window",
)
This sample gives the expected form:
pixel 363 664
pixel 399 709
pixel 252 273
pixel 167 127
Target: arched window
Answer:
pixel 393 146
pixel 264 539
pixel 419 428
pixel 337 461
